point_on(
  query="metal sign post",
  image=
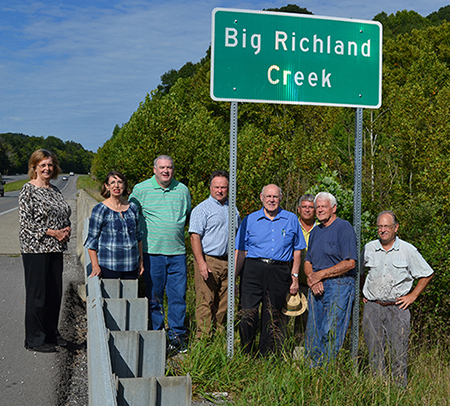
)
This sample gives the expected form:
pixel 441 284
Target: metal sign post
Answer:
pixel 232 228
pixel 357 226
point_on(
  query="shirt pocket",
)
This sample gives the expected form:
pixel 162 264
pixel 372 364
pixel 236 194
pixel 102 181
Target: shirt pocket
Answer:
pixel 400 266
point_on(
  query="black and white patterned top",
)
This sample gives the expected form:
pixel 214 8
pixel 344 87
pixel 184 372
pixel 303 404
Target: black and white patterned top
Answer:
pixel 40 209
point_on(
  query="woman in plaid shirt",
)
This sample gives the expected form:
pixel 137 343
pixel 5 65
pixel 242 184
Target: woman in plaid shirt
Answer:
pixel 114 240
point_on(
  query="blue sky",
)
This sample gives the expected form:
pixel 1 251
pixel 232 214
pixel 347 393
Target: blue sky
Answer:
pixel 76 68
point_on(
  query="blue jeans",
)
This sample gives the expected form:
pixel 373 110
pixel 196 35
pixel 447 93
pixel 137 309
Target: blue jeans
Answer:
pixel 166 272
pixel 328 319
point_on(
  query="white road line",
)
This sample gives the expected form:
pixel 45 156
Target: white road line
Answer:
pixel 9 211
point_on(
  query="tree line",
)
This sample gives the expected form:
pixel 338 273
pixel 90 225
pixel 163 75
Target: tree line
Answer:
pixel 406 145
pixel 15 151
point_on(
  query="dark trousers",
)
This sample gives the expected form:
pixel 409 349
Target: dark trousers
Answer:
pixel 267 285
pixel 108 274
pixel 43 294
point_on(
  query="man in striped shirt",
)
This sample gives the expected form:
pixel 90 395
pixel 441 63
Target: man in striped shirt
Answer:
pixel 164 206
pixel 209 239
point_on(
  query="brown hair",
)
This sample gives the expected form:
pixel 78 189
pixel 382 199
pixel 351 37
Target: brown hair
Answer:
pixel 105 192
pixel 39 155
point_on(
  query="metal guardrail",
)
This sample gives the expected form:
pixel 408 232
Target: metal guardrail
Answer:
pixel 126 361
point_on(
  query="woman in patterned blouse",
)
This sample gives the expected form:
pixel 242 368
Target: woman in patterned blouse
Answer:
pixel 44 232
pixel 114 240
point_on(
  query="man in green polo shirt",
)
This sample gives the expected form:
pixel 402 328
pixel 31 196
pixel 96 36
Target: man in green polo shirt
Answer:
pixel 164 205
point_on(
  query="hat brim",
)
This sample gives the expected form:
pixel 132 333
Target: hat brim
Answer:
pixel 293 313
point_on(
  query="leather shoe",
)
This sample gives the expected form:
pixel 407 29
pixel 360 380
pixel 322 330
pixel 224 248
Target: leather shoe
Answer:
pixel 46 347
pixel 60 342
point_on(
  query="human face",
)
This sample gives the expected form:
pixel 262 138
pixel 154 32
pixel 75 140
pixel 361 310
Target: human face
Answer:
pixel 271 199
pixel 307 211
pixel 163 172
pixel 386 230
pixel 219 188
pixel 325 212
pixel 44 170
pixel 115 186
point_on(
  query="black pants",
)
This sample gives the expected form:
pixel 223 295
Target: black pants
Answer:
pixel 268 285
pixel 43 294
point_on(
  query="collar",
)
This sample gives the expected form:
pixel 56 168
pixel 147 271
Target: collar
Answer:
pixel 225 203
pixel 262 215
pixel 395 246
pixel 304 229
pixel 156 185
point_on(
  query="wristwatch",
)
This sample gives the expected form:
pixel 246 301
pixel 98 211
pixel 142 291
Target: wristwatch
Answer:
pixel 295 275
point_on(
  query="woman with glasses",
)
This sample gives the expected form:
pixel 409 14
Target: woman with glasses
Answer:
pixel 114 240
pixel 44 232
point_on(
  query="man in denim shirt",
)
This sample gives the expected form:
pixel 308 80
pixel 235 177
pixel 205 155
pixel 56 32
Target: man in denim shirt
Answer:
pixel 392 265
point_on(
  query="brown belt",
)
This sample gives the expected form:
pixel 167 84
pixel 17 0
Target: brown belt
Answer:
pixel 385 303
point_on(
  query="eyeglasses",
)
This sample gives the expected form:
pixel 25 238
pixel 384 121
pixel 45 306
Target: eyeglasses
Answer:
pixel 114 182
pixel 385 226
pixel 42 166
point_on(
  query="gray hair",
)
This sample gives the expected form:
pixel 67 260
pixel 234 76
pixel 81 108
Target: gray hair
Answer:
pixel 162 157
pixel 308 197
pixel 326 196
pixel 391 213
pixel 281 193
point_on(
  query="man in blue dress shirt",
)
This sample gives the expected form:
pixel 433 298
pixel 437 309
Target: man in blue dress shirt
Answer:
pixel 268 251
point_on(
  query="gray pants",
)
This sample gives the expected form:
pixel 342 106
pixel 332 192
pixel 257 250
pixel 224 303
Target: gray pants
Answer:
pixel 387 325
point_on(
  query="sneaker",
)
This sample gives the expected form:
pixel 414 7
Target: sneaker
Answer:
pixel 178 346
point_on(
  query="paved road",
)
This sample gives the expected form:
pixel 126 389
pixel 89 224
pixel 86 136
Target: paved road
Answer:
pixel 26 377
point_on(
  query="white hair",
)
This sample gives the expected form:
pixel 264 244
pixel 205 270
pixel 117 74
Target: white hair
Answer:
pixel 326 196
pixel 281 193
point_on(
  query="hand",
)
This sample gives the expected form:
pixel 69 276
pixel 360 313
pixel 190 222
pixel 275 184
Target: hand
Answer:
pixel 317 289
pixel 96 271
pixel 61 235
pixel 204 270
pixel 141 267
pixel 313 279
pixel 405 301
pixel 364 300
pixel 294 286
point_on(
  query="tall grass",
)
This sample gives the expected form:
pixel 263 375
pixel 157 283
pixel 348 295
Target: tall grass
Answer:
pixel 17 185
pixel 281 380
pixel 91 186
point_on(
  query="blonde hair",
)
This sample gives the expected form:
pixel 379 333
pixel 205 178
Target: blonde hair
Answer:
pixel 36 157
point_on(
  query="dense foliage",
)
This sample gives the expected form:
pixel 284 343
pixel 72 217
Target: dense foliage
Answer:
pixel 406 156
pixel 15 151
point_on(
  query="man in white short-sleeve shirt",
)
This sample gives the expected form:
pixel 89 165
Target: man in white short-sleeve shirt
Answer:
pixel 392 266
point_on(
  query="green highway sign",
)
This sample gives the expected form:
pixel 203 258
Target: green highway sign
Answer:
pixel 268 57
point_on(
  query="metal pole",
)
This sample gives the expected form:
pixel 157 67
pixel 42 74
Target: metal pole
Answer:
pixel 357 226
pixel 232 228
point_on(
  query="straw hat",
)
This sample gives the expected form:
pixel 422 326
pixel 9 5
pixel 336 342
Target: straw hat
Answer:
pixel 295 305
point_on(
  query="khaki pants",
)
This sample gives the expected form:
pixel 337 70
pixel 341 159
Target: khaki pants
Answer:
pixel 211 295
